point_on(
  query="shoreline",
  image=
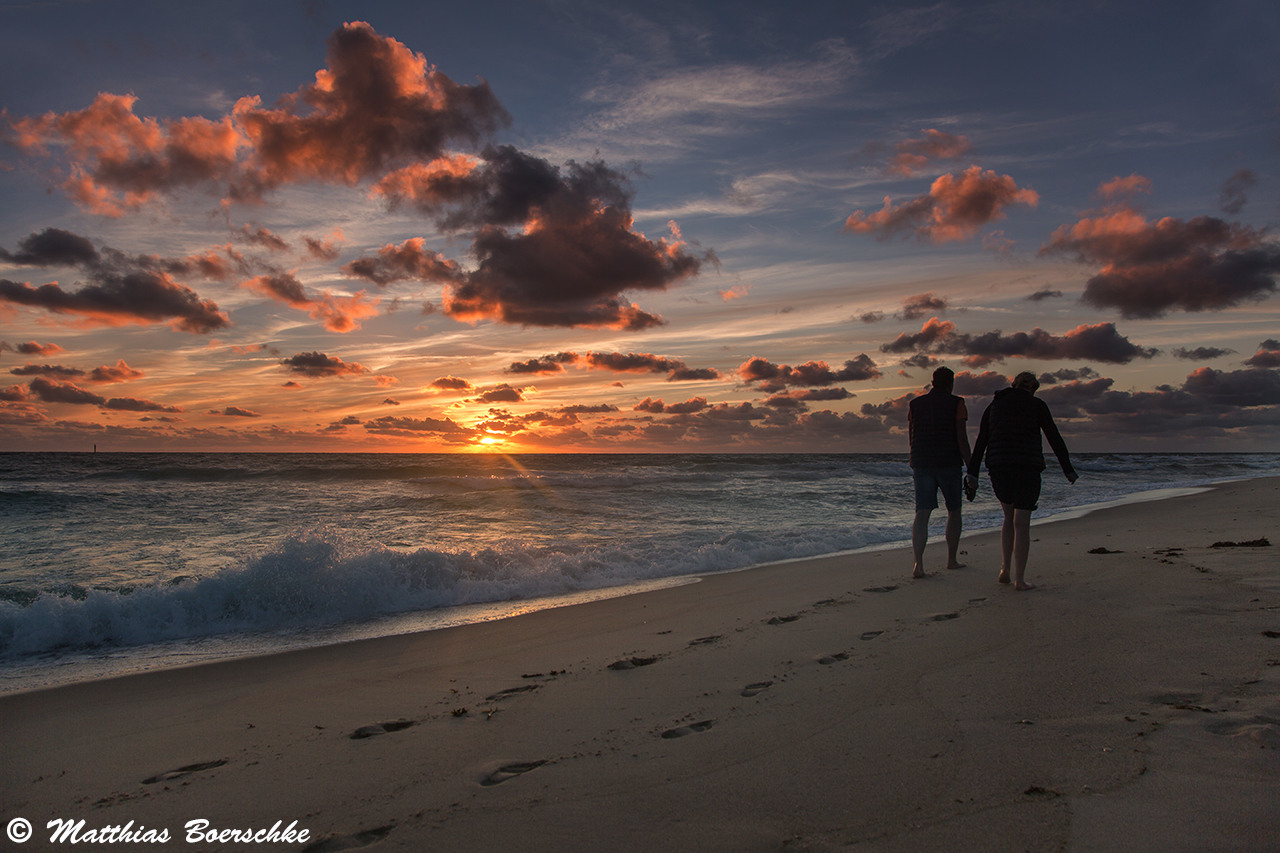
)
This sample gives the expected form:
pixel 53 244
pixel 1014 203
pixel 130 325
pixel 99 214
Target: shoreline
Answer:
pixel 81 665
pixel 1135 694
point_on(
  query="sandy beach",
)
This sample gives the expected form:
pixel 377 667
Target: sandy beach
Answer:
pixel 1130 702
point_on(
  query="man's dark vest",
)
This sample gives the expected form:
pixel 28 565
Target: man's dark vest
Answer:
pixel 933 431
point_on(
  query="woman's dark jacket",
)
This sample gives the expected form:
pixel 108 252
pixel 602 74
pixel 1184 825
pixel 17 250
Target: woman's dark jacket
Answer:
pixel 1009 436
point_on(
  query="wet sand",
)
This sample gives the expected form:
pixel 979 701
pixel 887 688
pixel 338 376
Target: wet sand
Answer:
pixel 1130 702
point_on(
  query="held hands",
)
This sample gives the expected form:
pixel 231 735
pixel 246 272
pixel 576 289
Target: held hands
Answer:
pixel 970 486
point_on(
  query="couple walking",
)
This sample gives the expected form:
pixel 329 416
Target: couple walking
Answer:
pixel 1009 438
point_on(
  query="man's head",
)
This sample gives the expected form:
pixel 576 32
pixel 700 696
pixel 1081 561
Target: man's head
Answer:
pixel 944 379
pixel 1026 380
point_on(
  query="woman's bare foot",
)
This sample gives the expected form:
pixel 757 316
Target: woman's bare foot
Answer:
pixel 1004 576
pixel 1024 586
pixel 956 566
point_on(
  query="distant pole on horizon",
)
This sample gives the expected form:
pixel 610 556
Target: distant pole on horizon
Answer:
pixel 95 448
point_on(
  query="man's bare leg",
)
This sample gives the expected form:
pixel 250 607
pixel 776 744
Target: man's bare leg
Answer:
pixel 954 526
pixel 919 538
pixel 1021 547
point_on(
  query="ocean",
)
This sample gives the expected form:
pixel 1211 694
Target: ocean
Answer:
pixel 121 562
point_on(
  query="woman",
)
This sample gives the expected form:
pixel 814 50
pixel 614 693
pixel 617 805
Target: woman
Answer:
pixel 1009 438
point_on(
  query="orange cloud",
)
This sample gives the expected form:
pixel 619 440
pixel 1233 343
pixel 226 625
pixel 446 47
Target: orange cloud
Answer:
pixel 955 208
pixel 912 156
pixel 1150 268
pixel 339 313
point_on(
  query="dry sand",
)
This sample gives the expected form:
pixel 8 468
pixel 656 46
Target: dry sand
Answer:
pixel 1131 702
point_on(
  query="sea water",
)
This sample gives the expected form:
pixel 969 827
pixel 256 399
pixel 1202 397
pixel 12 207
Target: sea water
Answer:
pixel 115 563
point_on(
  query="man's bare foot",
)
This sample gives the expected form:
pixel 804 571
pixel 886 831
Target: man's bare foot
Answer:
pixel 919 573
pixel 1024 586
pixel 956 566
pixel 1004 576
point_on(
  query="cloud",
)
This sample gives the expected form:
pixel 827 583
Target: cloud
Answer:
pixel 31 348
pixel 65 392
pixel 1042 295
pixel 55 370
pixel 657 407
pixel 409 261
pixel 415 427
pixel 1100 342
pixel 376 105
pixel 955 208
pixel 545 364
pixel 450 383
pixel 1200 353
pixel 912 156
pixel 502 393
pixel 775 377
pixel 339 313
pixel 1268 354
pixel 572 260
pixel 318 364
pixel 1151 268
pixel 1235 191
pixel 123 289
pixel 1209 403
pixel 235 412
pixel 915 307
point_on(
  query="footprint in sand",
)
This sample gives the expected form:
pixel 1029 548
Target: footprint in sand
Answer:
pixel 827 660
pixel 870 635
pixel 511 691
pixel 379 729
pixel 692 728
pixel 756 689
pixel 880 588
pixel 702 641
pixel 183 771
pixel 632 663
pixel 944 617
pixel 334 843
pixel 509 771
pixel 782 620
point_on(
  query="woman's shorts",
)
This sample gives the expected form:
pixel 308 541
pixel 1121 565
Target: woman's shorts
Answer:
pixel 1018 487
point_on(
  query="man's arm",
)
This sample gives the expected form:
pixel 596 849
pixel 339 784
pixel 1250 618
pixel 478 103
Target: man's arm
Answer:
pixel 962 432
pixel 980 446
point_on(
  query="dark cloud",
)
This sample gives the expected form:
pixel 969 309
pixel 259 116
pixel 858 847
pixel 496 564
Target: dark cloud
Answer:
pixel 65 392
pixel 1151 268
pixel 450 383
pixel 57 371
pixel 123 289
pixel 1068 374
pixel 1042 295
pixel 553 363
pixel 503 393
pixel 643 362
pixel 1201 353
pixel 260 236
pixel 318 364
pixel 409 261
pixel 235 412
pixel 955 208
pixel 1268 354
pixel 53 247
pixel 1100 342
pixel 657 407
pixel 1235 191
pixel 775 377
pixel 922 305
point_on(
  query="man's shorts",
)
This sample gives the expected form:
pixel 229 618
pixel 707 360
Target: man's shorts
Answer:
pixel 1018 487
pixel 929 480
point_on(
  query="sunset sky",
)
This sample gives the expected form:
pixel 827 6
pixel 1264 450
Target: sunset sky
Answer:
pixel 585 226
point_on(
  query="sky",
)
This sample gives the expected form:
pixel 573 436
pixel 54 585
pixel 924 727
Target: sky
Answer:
pixel 575 226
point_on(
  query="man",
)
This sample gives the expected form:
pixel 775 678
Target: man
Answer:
pixel 939 451
pixel 1009 437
